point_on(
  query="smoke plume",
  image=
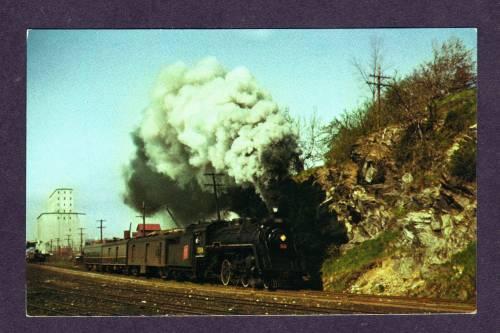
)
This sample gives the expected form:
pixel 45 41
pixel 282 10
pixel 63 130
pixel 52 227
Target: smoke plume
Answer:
pixel 204 119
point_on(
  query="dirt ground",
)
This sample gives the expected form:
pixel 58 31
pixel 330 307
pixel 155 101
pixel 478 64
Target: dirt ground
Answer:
pixel 57 291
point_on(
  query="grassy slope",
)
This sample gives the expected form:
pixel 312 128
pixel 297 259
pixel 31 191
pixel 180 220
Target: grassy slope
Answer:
pixel 348 267
pixel 456 279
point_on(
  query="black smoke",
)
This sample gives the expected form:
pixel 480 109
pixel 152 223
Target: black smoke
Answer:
pixel 143 184
pixel 191 203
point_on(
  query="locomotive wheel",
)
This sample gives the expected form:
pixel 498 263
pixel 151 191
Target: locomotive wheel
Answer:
pixel 245 281
pixel 225 272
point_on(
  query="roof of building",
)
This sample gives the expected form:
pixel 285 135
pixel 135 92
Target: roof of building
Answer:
pixel 60 189
pixel 149 227
pixel 59 213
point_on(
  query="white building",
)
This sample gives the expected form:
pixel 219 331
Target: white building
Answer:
pixel 59 227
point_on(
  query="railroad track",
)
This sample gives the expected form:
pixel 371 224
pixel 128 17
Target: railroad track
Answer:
pixel 278 307
pixel 135 307
pixel 43 309
pixel 241 305
pixel 211 304
pixel 55 305
pixel 401 302
pixel 195 299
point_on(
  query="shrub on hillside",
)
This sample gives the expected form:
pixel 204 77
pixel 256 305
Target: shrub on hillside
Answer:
pixel 343 132
pixel 463 161
pixel 455 279
pixel 462 111
pixel 414 102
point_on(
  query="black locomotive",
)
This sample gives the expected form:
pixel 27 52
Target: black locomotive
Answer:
pixel 242 251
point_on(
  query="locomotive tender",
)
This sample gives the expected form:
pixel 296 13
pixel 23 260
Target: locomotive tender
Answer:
pixel 243 251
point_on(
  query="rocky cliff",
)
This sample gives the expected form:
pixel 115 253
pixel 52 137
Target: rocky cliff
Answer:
pixel 411 225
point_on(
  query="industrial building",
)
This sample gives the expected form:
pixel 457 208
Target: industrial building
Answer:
pixel 58 229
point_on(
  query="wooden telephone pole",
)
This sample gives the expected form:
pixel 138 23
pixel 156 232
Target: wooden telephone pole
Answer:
pixel 379 78
pixel 68 238
pixel 70 249
pixel 101 227
pixel 215 185
pixel 58 247
pixel 81 240
pixel 143 219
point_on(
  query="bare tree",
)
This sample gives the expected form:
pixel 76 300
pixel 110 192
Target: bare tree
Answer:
pixel 311 139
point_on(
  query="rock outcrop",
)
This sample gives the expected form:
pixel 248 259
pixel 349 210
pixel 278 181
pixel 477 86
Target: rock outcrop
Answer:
pixel 434 218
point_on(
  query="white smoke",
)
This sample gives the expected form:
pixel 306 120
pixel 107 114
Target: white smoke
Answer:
pixel 205 118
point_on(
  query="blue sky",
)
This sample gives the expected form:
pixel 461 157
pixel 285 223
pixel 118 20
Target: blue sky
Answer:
pixel 86 90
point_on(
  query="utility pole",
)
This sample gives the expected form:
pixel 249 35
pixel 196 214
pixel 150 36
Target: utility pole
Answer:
pixel 51 246
pixel 81 240
pixel 215 185
pixel 379 78
pixel 101 227
pixel 68 237
pixel 143 216
pixel 143 219
pixel 58 247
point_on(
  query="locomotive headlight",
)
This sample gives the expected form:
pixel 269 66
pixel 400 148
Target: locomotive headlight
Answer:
pixel 283 237
pixel 197 240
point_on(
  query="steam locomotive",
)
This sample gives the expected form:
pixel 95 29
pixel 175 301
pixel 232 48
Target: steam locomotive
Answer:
pixel 247 252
